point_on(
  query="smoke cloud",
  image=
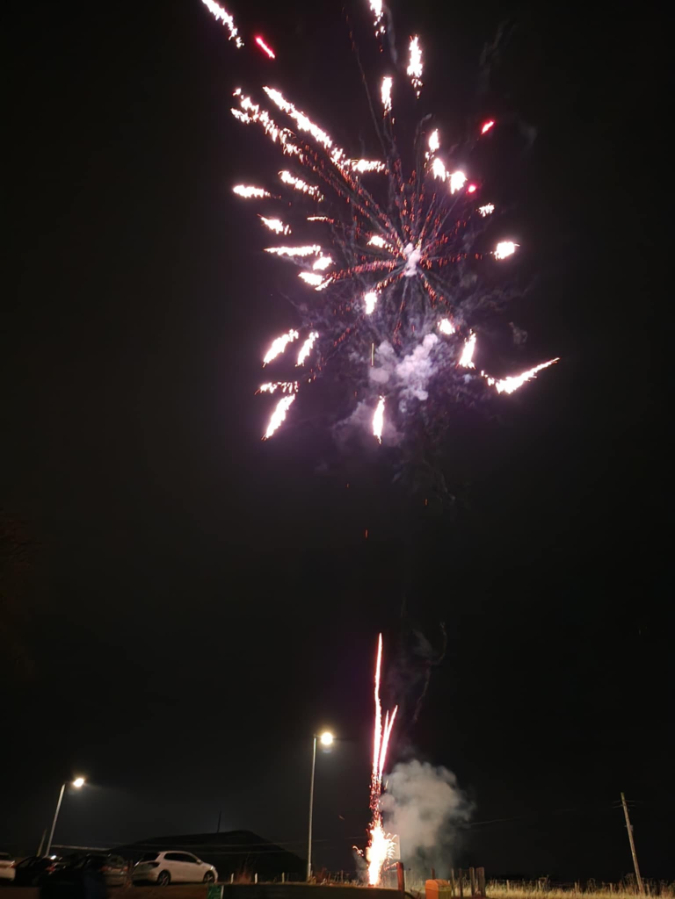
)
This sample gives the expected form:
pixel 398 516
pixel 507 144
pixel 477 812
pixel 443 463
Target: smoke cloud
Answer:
pixel 425 807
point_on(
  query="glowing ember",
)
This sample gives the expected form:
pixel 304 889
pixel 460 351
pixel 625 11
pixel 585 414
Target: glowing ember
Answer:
pixel 445 326
pixel 377 241
pixel 279 344
pixel 378 419
pixel 472 188
pixel 434 141
pixel 279 415
pixel 370 301
pixel 387 83
pixel 223 16
pixel 247 192
pixel 512 383
pixel 457 181
pixel 486 127
pixel 275 225
pixel 263 46
pixel 415 67
pixel 504 249
pixel 306 348
pixel 466 359
pixel 488 209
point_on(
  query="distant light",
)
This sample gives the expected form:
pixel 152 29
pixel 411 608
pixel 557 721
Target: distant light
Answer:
pixel 472 188
pixel 263 46
pixel 78 782
pixel 326 738
pixel 486 127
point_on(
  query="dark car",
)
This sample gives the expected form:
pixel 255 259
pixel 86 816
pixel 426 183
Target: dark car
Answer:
pixel 81 877
pixel 31 871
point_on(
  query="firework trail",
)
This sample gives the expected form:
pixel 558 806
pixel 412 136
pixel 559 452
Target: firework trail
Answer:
pixel 395 258
pixel 380 844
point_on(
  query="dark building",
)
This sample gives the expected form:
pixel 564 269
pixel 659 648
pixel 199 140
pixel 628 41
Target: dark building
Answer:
pixel 237 852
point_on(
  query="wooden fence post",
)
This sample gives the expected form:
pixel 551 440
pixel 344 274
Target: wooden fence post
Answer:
pixel 481 881
pixel 452 882
pixel 460 881
pixel 472 879
pixel 400 876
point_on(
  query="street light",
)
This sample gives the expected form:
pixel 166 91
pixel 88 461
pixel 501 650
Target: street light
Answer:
pixel 326 739
pixel 78 783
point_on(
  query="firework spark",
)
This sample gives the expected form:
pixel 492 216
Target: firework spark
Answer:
pixel 311 250
pixel 466 359
pixel 378 419
pixel 284 386
pixel 387 84
pixel 299 184
pixel 487 126
pixel 370 302
pixel 275 225
pixel 268 51
pixel 223 16
pixel 322 263
pixel 415 66
pixel 504 249
pixel 457 181
pixel 315 281
pixel 488 209
pixel 513 382
pixel 279 345
pixel 279 415
pixel 445 326
pixel 434 141
pixel 306 348
pixel 248 192
pixel 378 13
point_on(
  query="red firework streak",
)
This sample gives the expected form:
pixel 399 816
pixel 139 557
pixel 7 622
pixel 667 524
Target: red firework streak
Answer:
pixel 381 845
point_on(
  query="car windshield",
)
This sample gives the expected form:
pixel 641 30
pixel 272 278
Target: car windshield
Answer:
pixel 149 857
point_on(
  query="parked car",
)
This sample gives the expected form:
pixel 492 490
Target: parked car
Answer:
pixel 164 868
pixel 6 867
pixel 113 867
pixel 80 878
pixel 30 871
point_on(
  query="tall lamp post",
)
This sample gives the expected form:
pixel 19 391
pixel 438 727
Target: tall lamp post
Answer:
pixel 78 783
pixel 326 739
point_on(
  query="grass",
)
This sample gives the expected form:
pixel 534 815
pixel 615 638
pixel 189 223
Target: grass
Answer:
pixel 497 889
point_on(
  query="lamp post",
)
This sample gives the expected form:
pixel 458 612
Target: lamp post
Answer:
pixel 78 783
pixel 326 739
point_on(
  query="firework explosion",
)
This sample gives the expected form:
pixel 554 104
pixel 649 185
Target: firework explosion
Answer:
pixel 395 260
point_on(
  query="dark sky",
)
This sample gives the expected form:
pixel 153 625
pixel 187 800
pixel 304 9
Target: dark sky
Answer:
pixel 182 605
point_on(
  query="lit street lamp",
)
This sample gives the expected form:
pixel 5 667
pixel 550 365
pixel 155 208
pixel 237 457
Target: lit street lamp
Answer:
pixel 78 783
pixel 326 739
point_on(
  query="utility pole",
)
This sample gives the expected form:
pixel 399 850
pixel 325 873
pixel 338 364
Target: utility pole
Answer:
pixel 629 828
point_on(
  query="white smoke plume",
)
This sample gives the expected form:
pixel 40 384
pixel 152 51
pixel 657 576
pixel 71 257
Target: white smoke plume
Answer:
pixel 410 375
pixel 425 807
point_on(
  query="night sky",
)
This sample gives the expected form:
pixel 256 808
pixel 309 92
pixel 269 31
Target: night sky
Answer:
pixel 183 605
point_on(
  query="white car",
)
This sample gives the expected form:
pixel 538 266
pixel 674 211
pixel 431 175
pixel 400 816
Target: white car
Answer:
pixel 164 868
pixel 6 867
